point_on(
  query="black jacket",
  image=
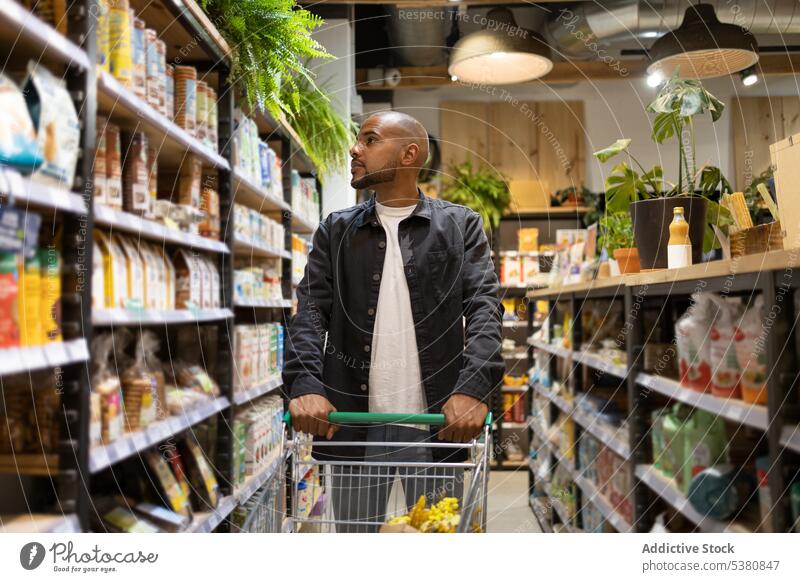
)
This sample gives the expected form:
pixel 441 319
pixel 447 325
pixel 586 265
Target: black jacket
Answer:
pixel 454 295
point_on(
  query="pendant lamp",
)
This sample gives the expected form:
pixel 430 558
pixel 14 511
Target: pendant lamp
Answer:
pixel 703 47
pixel 500 54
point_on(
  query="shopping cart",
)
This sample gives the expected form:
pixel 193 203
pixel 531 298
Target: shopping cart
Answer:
pixel 361 495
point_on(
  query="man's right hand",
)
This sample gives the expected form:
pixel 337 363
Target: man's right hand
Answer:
pixel 310 415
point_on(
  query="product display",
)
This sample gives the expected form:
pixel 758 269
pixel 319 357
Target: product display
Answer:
pixel 158 375
pixel 258 353
pixel 258 432
pixel 305 198
pixel 300 250
pixel 256 283
pixel 256 228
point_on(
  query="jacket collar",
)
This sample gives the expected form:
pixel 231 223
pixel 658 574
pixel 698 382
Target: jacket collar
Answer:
pixel 423 209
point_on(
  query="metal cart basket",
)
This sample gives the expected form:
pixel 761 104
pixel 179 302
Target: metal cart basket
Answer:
pixel 382 480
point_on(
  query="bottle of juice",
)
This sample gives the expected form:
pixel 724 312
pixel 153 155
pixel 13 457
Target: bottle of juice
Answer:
pixel 679 247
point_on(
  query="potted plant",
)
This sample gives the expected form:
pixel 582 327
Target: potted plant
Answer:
pixel 649 197
pixel 482 189
pixel 616 237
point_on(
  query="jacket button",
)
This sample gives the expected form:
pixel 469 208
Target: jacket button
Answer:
pixel 376 277
pixel 367 348
pixel 382 245
pixel 370 311
pixel 363 387
pixel 374 223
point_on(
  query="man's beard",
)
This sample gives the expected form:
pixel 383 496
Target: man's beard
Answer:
pixel 382 176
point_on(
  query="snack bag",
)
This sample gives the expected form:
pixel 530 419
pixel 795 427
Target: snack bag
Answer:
pixel 694 346
pixel 724 364
pixel 139 387
pixel 673 431
pixel 56 123
pixel 106 383
pixel 18 144
pixel 706 445
pixel 751 353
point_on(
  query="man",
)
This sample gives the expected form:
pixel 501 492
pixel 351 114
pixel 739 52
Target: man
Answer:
pixel 398 311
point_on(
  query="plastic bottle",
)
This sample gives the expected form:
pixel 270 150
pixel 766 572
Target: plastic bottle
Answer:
pixel 679 247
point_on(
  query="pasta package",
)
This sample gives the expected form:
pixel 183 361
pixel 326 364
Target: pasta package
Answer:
pixel 135 272
pixel 56 123
pixel 115 270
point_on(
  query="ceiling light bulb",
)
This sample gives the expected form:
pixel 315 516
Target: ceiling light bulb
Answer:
pixel 650 34
pixel 654 79
pixel 749 77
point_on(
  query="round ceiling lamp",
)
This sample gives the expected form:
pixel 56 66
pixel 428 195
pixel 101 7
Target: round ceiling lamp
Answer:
pixel 500 54
pixel 703 47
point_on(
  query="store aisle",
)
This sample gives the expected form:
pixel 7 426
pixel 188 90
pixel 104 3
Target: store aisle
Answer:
pixel 509 511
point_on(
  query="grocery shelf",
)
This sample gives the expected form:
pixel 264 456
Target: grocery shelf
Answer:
pixel 562 403
pixel 244 247
pixel 152 230
pixel 246 396
pixel 21 189
pixel 255 482
pixel 666 489
pixel 130 444
pixel 25 359
pixel 550 349
pixel 541 513
pixel 157 316
pixel 592 493
pixel 561 511
pixel 568 464
pixel 172 142
pixel 730 408
pixel 518 355
pixel 790 437
pixel 266 304
pixel 598 363
pixel 602 432
pixel 302 226
pixel 208 521
pixel 253 196
pixel 31 37
pixel 39 523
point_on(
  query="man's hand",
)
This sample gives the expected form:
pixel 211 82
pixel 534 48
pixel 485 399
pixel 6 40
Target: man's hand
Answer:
pixel 310 414
pixel 464 418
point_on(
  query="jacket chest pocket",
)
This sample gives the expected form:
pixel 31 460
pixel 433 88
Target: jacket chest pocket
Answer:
pixel 444 268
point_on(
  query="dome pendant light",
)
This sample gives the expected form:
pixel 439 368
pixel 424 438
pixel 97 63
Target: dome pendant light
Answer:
pixel 703 47
pixel 500 54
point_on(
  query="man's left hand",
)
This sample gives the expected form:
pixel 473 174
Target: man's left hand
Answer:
pixel 464 418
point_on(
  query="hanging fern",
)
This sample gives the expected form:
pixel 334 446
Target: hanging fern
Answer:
pixel 325 134
pixel 270 41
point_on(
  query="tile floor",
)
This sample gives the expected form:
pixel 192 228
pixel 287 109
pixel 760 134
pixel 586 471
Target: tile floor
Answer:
pixel 509 511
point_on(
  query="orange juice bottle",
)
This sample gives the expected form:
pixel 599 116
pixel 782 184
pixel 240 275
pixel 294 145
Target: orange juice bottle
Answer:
pixel 679 247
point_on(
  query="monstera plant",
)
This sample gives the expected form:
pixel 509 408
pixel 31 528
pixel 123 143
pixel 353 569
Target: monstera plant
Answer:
pixel 650 197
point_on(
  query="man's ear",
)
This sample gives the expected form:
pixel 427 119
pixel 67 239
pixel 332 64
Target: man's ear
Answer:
pixel 410 155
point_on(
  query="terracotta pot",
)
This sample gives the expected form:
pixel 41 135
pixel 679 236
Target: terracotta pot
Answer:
pixel 628 260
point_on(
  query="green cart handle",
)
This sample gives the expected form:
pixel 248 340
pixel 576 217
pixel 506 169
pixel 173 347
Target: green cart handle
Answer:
pixel 384 418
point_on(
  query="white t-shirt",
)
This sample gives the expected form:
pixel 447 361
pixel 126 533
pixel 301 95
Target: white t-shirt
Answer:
pixel 395 380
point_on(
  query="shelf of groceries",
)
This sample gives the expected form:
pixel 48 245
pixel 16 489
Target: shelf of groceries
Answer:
pixel 155 408
pixel 713 375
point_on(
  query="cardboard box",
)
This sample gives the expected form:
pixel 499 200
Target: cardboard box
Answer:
pixel 527 195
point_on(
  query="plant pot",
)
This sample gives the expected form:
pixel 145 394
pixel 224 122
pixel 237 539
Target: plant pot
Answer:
pixel 651 219
pixel 628 260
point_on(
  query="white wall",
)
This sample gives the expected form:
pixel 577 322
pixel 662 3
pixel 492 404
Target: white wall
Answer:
pixel 338 75
pixel 612 109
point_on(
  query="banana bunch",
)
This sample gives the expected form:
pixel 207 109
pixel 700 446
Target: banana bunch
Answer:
pixel 442 517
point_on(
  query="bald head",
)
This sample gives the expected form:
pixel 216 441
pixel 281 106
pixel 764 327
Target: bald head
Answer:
pixel 405 128
pixel 390 150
